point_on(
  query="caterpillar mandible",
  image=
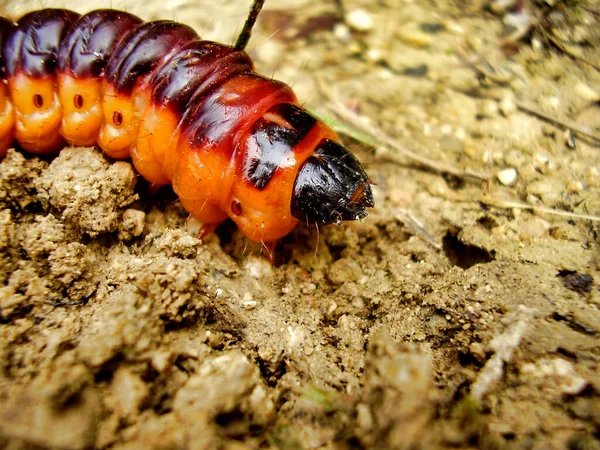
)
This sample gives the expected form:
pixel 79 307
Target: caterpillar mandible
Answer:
pixel 188 112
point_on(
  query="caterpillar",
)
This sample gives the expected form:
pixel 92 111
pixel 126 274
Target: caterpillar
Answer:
pixel 188 112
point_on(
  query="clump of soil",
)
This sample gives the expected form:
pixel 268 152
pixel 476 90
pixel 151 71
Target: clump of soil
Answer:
pixel 121 329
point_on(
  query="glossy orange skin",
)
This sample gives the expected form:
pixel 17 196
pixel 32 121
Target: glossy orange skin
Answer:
pixel 206 168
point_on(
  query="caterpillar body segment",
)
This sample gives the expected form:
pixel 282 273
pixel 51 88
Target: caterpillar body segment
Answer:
pixel 188 112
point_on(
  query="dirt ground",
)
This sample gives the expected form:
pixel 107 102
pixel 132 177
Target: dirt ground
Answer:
pixel 463 312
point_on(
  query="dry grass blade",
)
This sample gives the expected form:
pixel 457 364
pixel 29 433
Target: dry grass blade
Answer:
pixel 504 345
pixel 416 227
pixel 400 150
pixel 504 204
pixel 374 135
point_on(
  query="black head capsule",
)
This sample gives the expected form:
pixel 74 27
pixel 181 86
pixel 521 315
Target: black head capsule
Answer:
pixel 331 186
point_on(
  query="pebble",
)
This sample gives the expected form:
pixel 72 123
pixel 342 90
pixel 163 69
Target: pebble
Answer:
pixel 360 20
pixel 553 102
pixel 249 305
pixel 592 176
pixel 549 190
pixel 414 37
pixel 501 6
pixel 364 418
pixel 454 27
pixel 575 186
pixel 508 105
pixel 308 288
pixel 587 93
pixel 342 32
pixel 507 176
pixel 555 376
pixel 161 361
pixel 487 108
pixel 541 159
pixel 375 55
pixel 258 267
pixel 536 44
pixel 451 143
pixel 570 141
pixel 193 226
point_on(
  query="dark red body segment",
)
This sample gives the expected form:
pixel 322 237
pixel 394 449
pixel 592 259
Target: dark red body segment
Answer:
pixel 32 47
pixel 189 112
pixel 86 48
pixel 194 71
pixel 146 46
pixel 6 28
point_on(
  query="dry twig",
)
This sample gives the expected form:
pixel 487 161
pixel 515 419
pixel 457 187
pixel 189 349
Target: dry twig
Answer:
pixel 504 345
pixel 505 204
pixel 376 136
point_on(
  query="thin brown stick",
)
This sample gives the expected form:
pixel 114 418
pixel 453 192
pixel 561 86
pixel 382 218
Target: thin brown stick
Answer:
pixel 565 50
pixel 392 144
pixel 527 108
pixel 244 36
pixel 507 204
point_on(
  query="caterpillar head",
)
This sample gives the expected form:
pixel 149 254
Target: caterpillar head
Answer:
pixel 331 186
pixel 291 168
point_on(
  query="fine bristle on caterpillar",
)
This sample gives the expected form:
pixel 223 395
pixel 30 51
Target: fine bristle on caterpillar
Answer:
pixel 188 112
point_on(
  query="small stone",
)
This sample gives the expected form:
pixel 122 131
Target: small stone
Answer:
pixel 507 104
pixel 587 93
pixel 364 418
pixel 127 393
pixel 541 159
pixel 249 305
pixel 308 288
pixel 451 144
pixel 575 186
pixel 414 37
pixel 548 189
pixel 258 267
pixel 501 6
pixel 570 141
pixel 592 177
pixel 375 55
pixel 161 361
pixel 507 176
pixel 454 27
pixel 487 108
pixel 360 20
pixel 553 102
pixel 193 226
pixel 342 32
pixel 536 44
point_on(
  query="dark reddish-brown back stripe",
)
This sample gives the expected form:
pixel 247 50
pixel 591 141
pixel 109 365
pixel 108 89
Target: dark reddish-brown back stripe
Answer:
pixel 33 46
pixel 86 48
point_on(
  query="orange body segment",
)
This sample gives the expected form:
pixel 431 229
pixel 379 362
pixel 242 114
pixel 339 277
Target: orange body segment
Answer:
pixel 157 138
pixel 267 217
pixel 81 100
pixel 120 124
pixel 7 121
pixel 38 113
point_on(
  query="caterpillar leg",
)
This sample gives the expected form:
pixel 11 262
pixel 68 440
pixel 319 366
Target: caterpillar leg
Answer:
pixel 270 248
pixel 206 229
pixel 210 215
